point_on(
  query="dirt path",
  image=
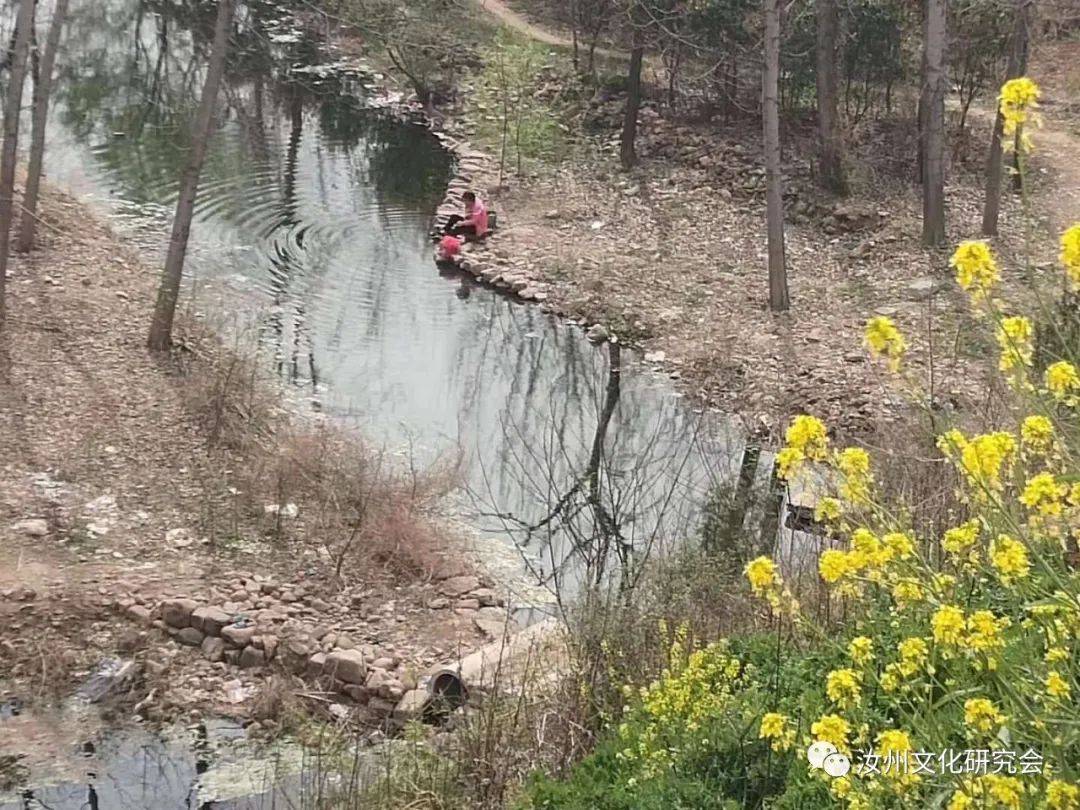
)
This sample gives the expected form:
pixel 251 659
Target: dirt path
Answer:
pixel 511 19
pixel 516 22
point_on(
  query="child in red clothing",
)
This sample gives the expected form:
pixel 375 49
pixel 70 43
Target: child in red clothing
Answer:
pixel 448 250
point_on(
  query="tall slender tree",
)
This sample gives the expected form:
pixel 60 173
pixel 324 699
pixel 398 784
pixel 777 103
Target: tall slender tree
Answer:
pixel 627 153
pixel 12 105
pixel 40 115
pixel 1017 65
pixel 933 134
pixel 830 157
pixel 774 193
pixel 169 290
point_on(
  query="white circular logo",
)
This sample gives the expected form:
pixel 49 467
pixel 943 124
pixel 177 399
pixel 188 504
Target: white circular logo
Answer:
pixel 836 765
pixel 817 752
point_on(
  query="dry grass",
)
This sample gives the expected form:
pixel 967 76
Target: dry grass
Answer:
pixel 365 508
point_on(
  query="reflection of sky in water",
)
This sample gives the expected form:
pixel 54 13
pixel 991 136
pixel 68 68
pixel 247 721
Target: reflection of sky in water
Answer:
pixel 319 211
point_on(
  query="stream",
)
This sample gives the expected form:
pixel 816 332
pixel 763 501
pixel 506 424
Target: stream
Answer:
pixel 311 241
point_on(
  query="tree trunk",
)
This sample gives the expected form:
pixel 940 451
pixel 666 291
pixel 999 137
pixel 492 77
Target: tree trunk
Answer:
pixel 1018 54
pixel 831 166
pixel 161 327
pixel 12 105
pixel 627 155
pixel 934 135
pixel 774 193
pixel 42 90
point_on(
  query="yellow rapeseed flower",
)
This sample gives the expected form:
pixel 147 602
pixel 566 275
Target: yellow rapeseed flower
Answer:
pixel 775 727
pixel 948 624
pixel 907 592
pixel 1009 558
pixel 854 463
pixel 861 650
pixel 788 461
pixel 761 572
pixel 986 457
pixel 1061 795
pixel 833 565
pixel 960 540
pixel 1062 381
pixel 1006 792
pixel 899 545
pixel 981 715
pixel 832 728
pixel 976 270
pixel 1043 494
pixel 913 654
pixel 1037 433
pixel 1018 102
pixel 1015 337
pixel 882 338
pixel 1057 686
pixel 843 688
pixel 828 510
pixel 1070 255
pixel 808 433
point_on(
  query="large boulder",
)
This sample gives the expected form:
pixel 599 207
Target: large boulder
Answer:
pixel 177 612
pixel 346 665
pixel 459 586
pixel 210 620
pixel 238 635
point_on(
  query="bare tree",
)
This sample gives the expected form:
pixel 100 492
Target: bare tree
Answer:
pixel 1018 55
pixel 830 159
pixel 627 154
pixel 12 106
pixel 161 327
pixel 42 89
pixel 774 194
pixel 933 134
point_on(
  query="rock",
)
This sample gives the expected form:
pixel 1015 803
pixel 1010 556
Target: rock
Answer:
pixel 383 662
pixel 597 333
pixel 458 586
pixel 316 664
pixel 213 649
pixel 210 620
pixel 412 704
pixel 921 288
pixel 381 706
pixel 177 612
pixel 238 636
pixel 346 665
pixel 467 604
pixel 493 614
pixel 139 613
pixel 489 628
pixel 375 679
pixel 180 538
pixel 356 691
pixel 296 652
pixel 251 658
pixel 486 597
pixel 190 637
pixel 31 527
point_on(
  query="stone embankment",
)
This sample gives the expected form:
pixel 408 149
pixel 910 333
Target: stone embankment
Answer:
pixel 265 626
pixel 515 277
